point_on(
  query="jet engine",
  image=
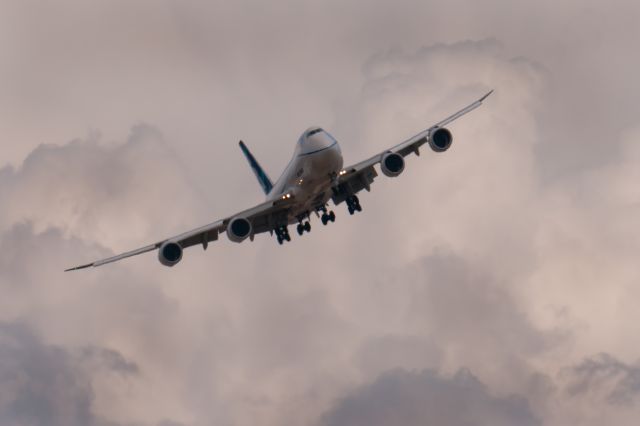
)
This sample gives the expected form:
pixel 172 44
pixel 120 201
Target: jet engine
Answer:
pixel 440 139
pixel 238 229
pixel 170 253
pixel 392 164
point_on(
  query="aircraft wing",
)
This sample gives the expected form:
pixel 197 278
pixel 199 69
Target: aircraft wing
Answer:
pixel 359 176
pixel 262 218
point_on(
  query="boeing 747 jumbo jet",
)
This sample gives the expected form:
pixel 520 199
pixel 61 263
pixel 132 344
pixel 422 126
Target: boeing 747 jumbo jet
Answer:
pixel 314 176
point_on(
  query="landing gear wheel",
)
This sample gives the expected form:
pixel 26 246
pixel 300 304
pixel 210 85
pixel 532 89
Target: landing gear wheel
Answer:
pixel 307 226
pixel 327 216
pixel 353 204
pixel 282 234
pixel 356 204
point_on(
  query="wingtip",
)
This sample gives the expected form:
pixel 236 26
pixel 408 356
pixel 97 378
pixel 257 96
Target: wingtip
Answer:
pixel 486 96
pixel 75 268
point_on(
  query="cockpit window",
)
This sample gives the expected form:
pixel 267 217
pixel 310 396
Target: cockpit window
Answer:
pixel 313 132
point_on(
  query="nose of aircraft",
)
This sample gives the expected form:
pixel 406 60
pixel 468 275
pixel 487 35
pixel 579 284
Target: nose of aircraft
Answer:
pixel 315 139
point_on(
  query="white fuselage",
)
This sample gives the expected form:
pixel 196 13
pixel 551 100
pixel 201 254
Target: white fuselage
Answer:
pixel 308 177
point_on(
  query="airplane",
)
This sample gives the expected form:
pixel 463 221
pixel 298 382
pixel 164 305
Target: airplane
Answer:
pixel 314 176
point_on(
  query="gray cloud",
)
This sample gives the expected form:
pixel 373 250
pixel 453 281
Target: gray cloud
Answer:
pixel 45 384
pixel 381 353
pixel 603 373
pixel 427 398
pixel 108 359
pixel 458 305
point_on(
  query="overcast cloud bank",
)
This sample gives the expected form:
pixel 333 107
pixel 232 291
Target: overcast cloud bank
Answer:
pixel 494 284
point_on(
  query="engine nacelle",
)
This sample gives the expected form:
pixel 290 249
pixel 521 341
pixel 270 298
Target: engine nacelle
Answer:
pixel 170 253
pixel 440 139
pixel 392 164
pixel 238 229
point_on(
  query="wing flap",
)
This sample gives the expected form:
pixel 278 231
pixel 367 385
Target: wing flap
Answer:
pixel 412 144
pixel 352 177
pixel 263 215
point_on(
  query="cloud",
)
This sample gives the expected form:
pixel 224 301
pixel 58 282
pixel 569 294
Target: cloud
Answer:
pixel 604 374
pixel 425 398
pixel 435 309
pixel 48 385
pixel 381 353
pixel 77 187
pixel 511 256
pixel 107 359
pixel 252 343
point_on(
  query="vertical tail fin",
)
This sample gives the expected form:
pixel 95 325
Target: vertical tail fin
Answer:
pixel 262 177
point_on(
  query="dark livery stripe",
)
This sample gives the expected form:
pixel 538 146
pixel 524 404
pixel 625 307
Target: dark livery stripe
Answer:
pixel 262 177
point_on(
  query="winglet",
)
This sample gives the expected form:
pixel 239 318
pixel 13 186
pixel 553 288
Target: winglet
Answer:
pixel 485 96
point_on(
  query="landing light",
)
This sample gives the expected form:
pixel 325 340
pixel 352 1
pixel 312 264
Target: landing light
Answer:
pixel 342 172
pixel 286 196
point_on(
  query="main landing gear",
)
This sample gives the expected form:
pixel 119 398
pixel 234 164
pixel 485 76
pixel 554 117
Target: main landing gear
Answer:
pixel 327 216
pixel 353 204
pixel 282 234
pixel 302 227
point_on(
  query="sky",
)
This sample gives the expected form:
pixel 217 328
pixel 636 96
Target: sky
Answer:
pixel 494 284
